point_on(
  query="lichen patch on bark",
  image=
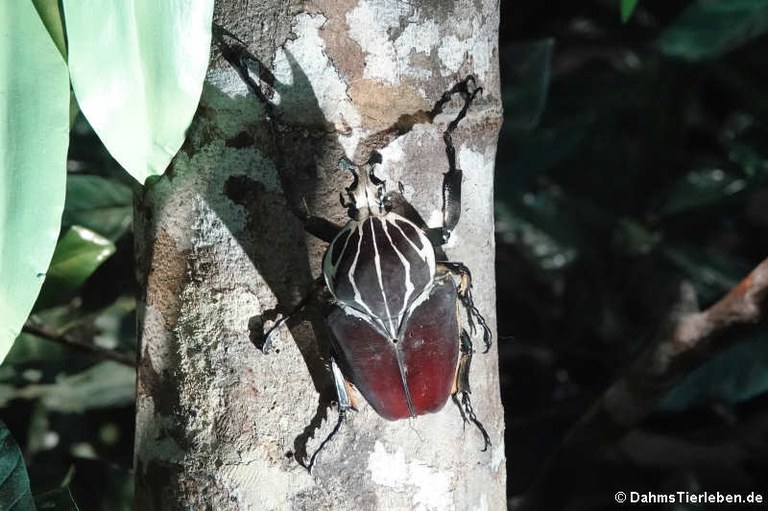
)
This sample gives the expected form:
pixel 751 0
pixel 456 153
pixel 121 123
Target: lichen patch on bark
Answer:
pixel 167 269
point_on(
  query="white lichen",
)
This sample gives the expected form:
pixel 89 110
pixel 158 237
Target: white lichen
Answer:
pixel 432 488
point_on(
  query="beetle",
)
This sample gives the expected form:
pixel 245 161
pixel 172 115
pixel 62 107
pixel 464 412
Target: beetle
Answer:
pixel 394 320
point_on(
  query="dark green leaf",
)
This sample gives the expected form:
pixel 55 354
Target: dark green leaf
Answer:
pixel 59 499
pixel 712 274
pixel 527 66
pixel 709 28
pixel 15 494
pixel 627 8
pixel 535 225
pixel 104 385
pixel 99 204
pixel 751 162
pixel 531 154
pixel 702 188
pixel 736 375
pixel 79 252
pixel 634 239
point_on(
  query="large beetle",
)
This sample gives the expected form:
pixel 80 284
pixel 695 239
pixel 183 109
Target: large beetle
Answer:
pixel 395 323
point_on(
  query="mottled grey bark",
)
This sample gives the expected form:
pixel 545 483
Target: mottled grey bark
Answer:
pixel 220 425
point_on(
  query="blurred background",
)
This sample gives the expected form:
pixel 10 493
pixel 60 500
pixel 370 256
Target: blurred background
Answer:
pixel 632 159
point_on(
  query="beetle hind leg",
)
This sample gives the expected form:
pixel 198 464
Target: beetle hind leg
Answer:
pixel 462 388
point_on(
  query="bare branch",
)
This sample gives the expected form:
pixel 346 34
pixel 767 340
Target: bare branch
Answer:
pixel 51 335
pixel 692 338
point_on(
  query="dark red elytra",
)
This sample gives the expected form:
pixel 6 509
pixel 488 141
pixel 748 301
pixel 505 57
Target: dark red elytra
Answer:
pixel 413 373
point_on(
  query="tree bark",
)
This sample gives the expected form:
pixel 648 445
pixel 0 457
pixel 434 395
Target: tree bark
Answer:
pixel 221 247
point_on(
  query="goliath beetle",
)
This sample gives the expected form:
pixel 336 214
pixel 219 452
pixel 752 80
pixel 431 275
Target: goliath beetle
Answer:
pixel 394 320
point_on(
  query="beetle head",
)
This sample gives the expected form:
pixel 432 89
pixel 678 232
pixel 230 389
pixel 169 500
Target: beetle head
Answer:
pixel 367 195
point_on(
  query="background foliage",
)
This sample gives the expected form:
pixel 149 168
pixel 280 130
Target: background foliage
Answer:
pixel 632 159
pixel 645 168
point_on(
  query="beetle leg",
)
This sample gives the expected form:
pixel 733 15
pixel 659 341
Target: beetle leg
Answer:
pixel 465 296
pixel 317 286
pixel 321 228
pixel 461 385
pixel 345 402
pixel 452 178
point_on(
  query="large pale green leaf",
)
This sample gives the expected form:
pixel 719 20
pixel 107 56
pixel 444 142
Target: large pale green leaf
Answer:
pixel 34 125
pixel 15 494
pixel 51 15
pixel 137 69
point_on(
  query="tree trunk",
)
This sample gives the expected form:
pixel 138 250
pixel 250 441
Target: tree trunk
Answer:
pixel 220 245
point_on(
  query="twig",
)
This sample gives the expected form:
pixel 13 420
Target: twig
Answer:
pixel 54 336
pixel 692 338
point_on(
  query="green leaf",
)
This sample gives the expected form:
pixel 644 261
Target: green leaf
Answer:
pixel 528 155
pixel 79 252
pixel 536 225
pixel 712 274
pixel 59 499
pixel 137 69
pixel 51 15
pixel 627 8
pixel 709 28
pixel 102 205
pixel 15 494
pixel 34 135
pixel 527 66
pixel 738 374
pixel 754 165
pixel 702 188
pixel 104 385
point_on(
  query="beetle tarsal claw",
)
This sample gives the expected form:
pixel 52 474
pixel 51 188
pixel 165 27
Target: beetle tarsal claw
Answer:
pixel 269 337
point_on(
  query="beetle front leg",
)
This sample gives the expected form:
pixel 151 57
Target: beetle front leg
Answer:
pixel 461 386
pixel 465 296
pixel 318 285
pixel 452 179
